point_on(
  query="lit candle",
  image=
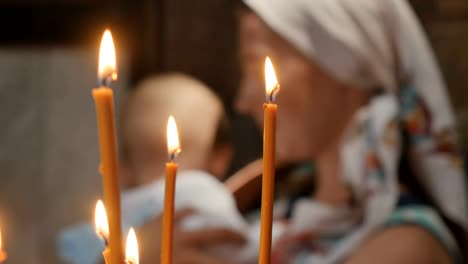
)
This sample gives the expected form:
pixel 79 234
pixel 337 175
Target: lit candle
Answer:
pixel 268 178
pixel 102 228
pixel 131 249
pixel 173 148
pixel 104 99
pixel 3 254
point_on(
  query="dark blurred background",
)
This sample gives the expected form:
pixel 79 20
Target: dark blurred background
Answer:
pixel 48 60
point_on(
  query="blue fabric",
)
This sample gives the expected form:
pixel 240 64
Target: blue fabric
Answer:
pixel 194 189
pixel 406 199
pixel 427 218
pixel 80 244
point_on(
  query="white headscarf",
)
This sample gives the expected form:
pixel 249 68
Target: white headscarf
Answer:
pixel 379 44
pixel 368 43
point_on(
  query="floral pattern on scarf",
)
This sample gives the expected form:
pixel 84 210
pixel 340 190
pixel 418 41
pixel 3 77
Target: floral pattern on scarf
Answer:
pixel 330 234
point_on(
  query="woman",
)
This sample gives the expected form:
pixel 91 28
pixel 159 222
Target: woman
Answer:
pixel 361 95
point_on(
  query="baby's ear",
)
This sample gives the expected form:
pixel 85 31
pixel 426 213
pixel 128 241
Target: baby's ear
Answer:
pixel 220 160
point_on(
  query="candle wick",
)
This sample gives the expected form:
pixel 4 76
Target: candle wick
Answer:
pixel 106 242
pixel 106 81
pixel 273 93
pixel 173 154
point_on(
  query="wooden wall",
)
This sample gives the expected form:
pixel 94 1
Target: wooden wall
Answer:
pixel 446 22
pixel 48 147
pixel 205 32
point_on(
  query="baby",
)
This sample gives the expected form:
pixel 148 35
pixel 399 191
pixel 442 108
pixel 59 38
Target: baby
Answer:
pixel 201 122
pixel 205 157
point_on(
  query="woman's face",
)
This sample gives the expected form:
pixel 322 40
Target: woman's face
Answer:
pixel 312 106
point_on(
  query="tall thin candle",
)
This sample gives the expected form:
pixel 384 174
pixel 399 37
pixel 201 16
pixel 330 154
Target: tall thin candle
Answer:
pixel 104 100
pixel 173 147
pixel 268 177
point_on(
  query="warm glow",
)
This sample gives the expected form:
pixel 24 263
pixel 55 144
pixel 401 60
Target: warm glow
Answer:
pixel 3 254
pixel 271 82
pixel 100 220
pixel 107 66
pixel 131 249
pixel 173 145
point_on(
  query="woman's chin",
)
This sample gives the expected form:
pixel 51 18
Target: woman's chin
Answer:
pixel 290 155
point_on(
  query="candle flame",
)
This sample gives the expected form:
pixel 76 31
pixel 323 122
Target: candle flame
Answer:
pixel 131 249
pixel 173 145
pixel 271 82
pixel 100 220
pixel 107 70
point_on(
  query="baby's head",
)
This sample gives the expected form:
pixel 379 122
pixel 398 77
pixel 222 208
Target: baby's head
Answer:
pixel 201 122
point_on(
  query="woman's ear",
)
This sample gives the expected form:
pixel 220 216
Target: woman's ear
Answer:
pixel 220 160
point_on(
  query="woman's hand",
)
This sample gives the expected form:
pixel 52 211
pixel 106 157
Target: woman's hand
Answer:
pixel 189 246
